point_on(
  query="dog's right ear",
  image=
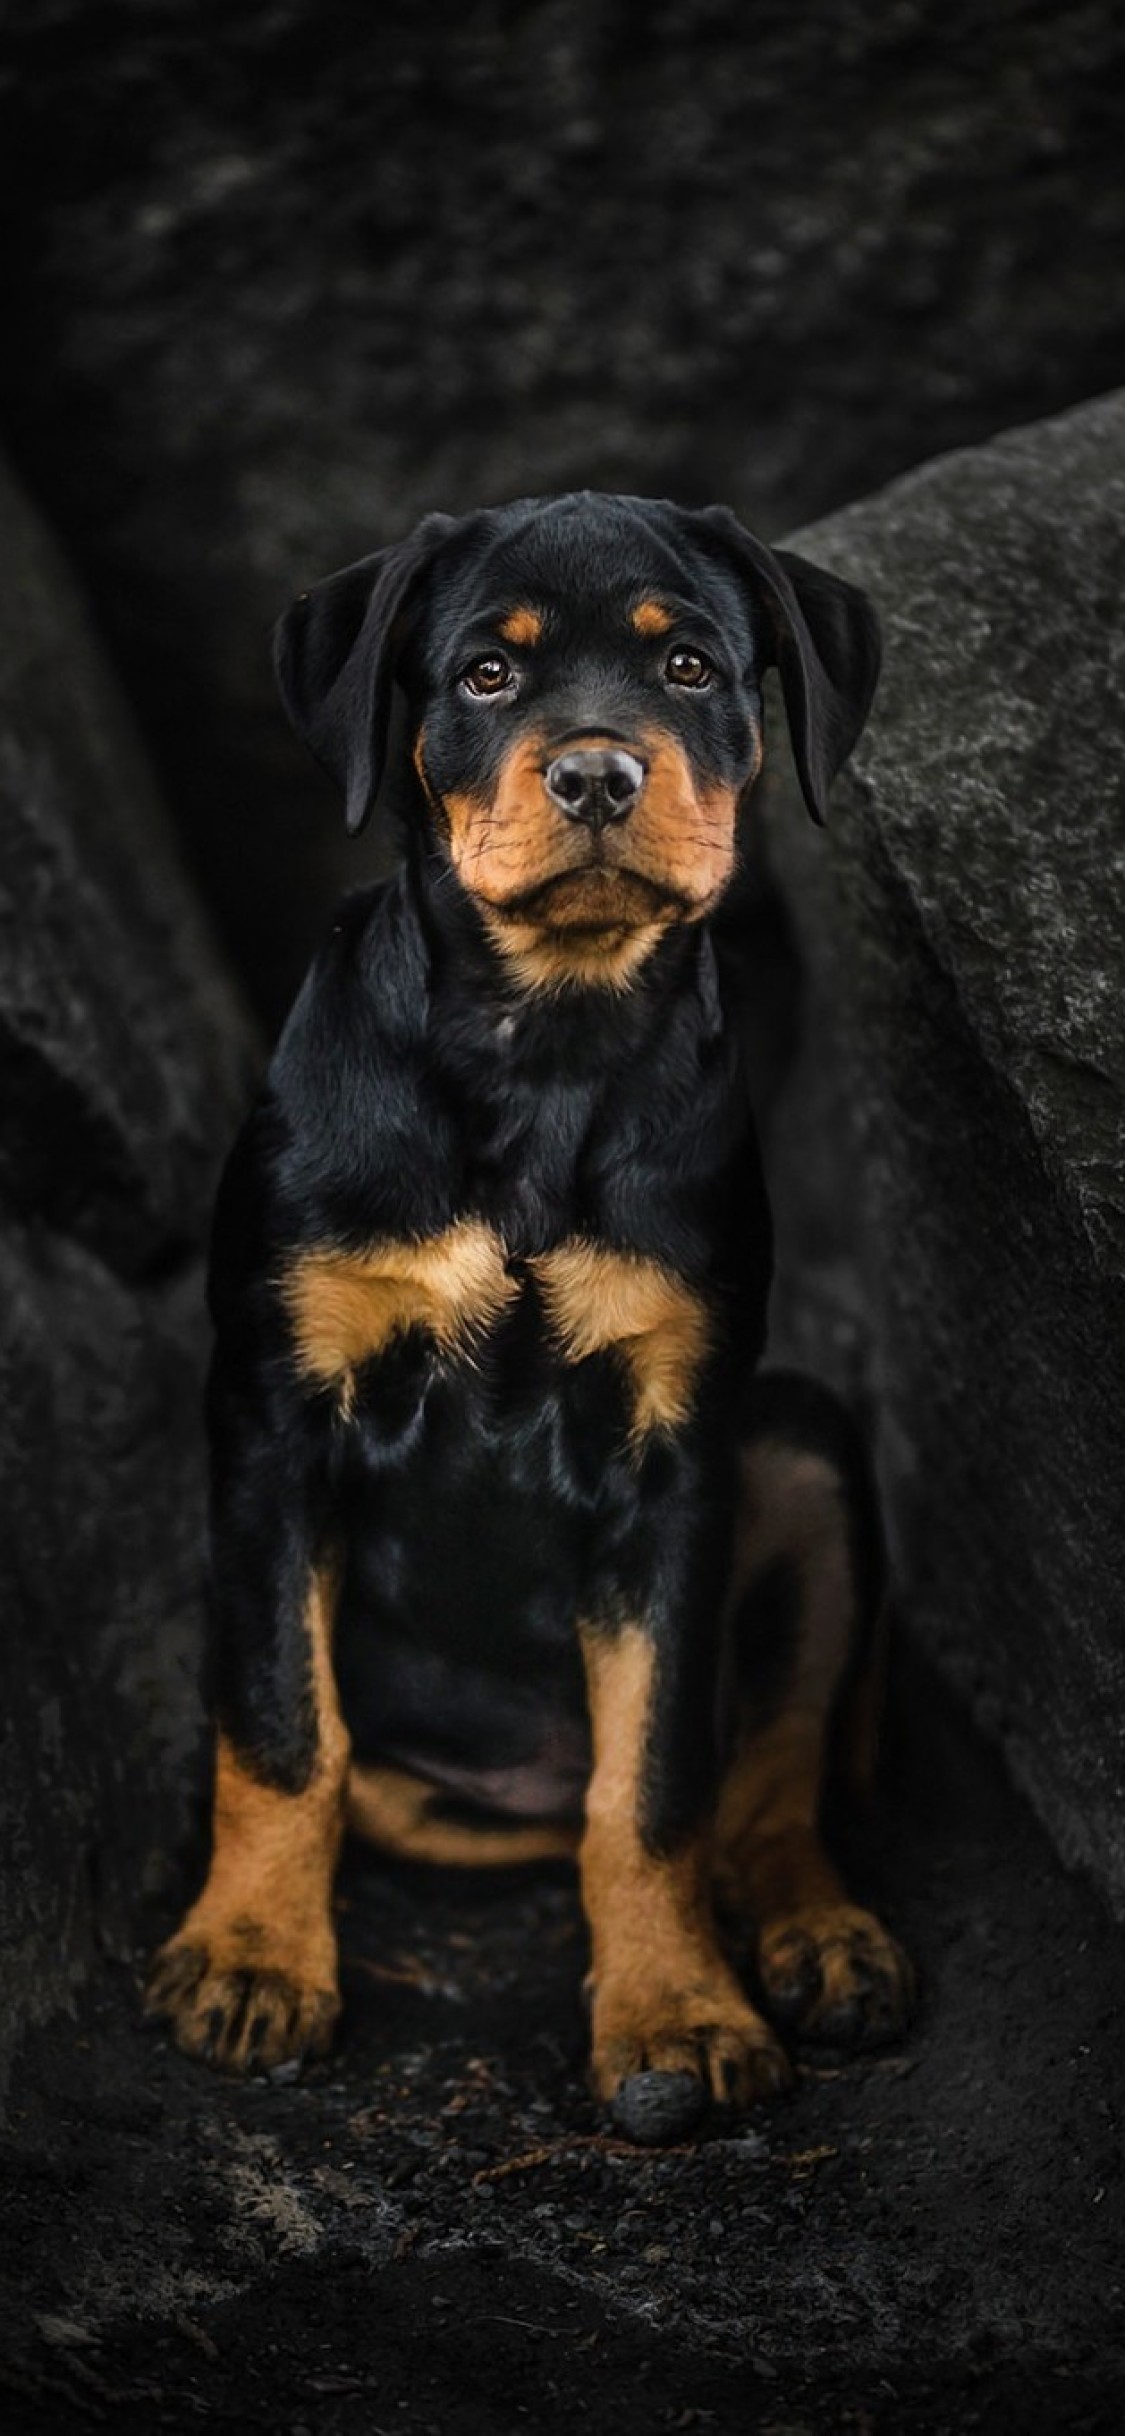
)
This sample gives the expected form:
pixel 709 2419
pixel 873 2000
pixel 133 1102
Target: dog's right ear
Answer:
pixel 824 642
pixel 334 657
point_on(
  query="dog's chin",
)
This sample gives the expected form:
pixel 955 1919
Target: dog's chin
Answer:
pixel 596 897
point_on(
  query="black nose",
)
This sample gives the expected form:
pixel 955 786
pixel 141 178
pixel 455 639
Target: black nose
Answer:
pixel 595 784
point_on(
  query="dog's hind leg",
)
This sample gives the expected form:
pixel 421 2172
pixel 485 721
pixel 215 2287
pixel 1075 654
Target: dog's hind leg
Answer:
pixel 403 1815
pixel 804 1625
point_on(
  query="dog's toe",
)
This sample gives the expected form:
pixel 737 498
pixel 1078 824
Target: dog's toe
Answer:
pixel 660 2060
pixel 833 1973
pixel 248 2019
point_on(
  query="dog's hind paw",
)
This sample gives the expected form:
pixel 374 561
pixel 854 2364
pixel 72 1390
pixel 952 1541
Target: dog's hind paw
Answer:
pixel 832 1972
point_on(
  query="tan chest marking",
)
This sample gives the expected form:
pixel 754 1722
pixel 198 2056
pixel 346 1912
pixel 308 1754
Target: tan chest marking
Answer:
pixel 344 1307
pixel 599 1301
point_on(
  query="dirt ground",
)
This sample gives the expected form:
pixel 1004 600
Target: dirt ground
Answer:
pixel 433 2233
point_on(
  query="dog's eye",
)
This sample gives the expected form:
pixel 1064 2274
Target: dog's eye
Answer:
pixel 492 675
pixel 688 668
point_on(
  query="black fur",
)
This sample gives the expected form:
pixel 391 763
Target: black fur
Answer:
pixel 479 1509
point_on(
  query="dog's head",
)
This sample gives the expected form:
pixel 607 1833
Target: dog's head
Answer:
pixel 583 678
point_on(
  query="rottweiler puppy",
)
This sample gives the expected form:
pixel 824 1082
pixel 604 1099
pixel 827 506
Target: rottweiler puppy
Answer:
pixel 515 1552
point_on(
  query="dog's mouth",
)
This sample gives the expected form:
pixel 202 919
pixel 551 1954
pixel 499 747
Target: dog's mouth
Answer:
pixel 596 896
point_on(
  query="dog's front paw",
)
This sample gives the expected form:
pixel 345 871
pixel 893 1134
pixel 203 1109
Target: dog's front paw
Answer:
pixel 833 1972
pixel 661 2057
pixel 228 2001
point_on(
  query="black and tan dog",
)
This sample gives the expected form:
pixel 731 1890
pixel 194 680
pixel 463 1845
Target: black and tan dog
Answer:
pixel 514 1553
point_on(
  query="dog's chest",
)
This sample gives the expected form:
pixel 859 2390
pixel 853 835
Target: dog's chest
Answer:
pixel 460 1302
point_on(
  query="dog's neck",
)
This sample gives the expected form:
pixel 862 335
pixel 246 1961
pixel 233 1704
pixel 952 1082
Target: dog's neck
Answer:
pixel 623 1115
pixel 584 1027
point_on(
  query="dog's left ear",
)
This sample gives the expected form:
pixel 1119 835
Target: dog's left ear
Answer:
pixel 334 656
pixel 826 647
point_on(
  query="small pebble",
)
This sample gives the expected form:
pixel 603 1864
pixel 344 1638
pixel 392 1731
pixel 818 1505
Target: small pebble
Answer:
pixel 748 2144
pixel 280 2075
pixel 655 2108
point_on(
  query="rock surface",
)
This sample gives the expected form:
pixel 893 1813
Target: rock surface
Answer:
pixel 284 280
pixel 964 1069
pixel 124 1058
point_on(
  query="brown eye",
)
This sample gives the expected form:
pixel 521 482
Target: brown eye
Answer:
pixel 492 675
pixel 688 668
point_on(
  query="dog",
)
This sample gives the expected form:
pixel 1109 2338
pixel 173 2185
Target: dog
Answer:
pixel 516 1551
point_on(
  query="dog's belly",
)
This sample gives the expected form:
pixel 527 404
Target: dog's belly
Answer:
pixel 546 1788
pixel 457 1649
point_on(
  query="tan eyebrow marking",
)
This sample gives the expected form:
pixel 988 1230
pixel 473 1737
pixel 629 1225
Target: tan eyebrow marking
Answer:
pixel 521 625
pixel 651 617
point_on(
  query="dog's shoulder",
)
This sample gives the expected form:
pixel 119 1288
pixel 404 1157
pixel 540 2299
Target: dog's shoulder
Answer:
pixel 341 1112
pixel 363 997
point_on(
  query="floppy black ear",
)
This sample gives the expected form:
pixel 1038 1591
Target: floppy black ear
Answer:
pixel 334 654
pixel 827 650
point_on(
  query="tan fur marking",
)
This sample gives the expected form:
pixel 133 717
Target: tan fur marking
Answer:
pixel 682 833
pixel 502 846
pixel 549 961
pixel 250 1976
pixel 768 1832
pixel 598 1300
pixel 344 1307
pixel 665 1999
pixel 395 1810
pixel 522 626
pixel 418 757
pixel 651 617
pixel 610 902
pixel 770 1856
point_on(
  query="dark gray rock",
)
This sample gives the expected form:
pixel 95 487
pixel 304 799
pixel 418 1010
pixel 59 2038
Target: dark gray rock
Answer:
pixel 120 1038
pixel 284 280
pixel 124 1058
pixel 654 2108
pixel 950 1160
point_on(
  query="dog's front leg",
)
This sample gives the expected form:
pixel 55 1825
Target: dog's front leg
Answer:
pixel 249 1981
pixel 671 2026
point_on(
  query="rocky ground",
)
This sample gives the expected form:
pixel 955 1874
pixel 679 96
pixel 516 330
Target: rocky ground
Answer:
pixel 433 2231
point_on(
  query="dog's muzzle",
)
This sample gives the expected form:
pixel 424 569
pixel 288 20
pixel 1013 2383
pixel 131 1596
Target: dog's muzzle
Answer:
pixel 595 785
